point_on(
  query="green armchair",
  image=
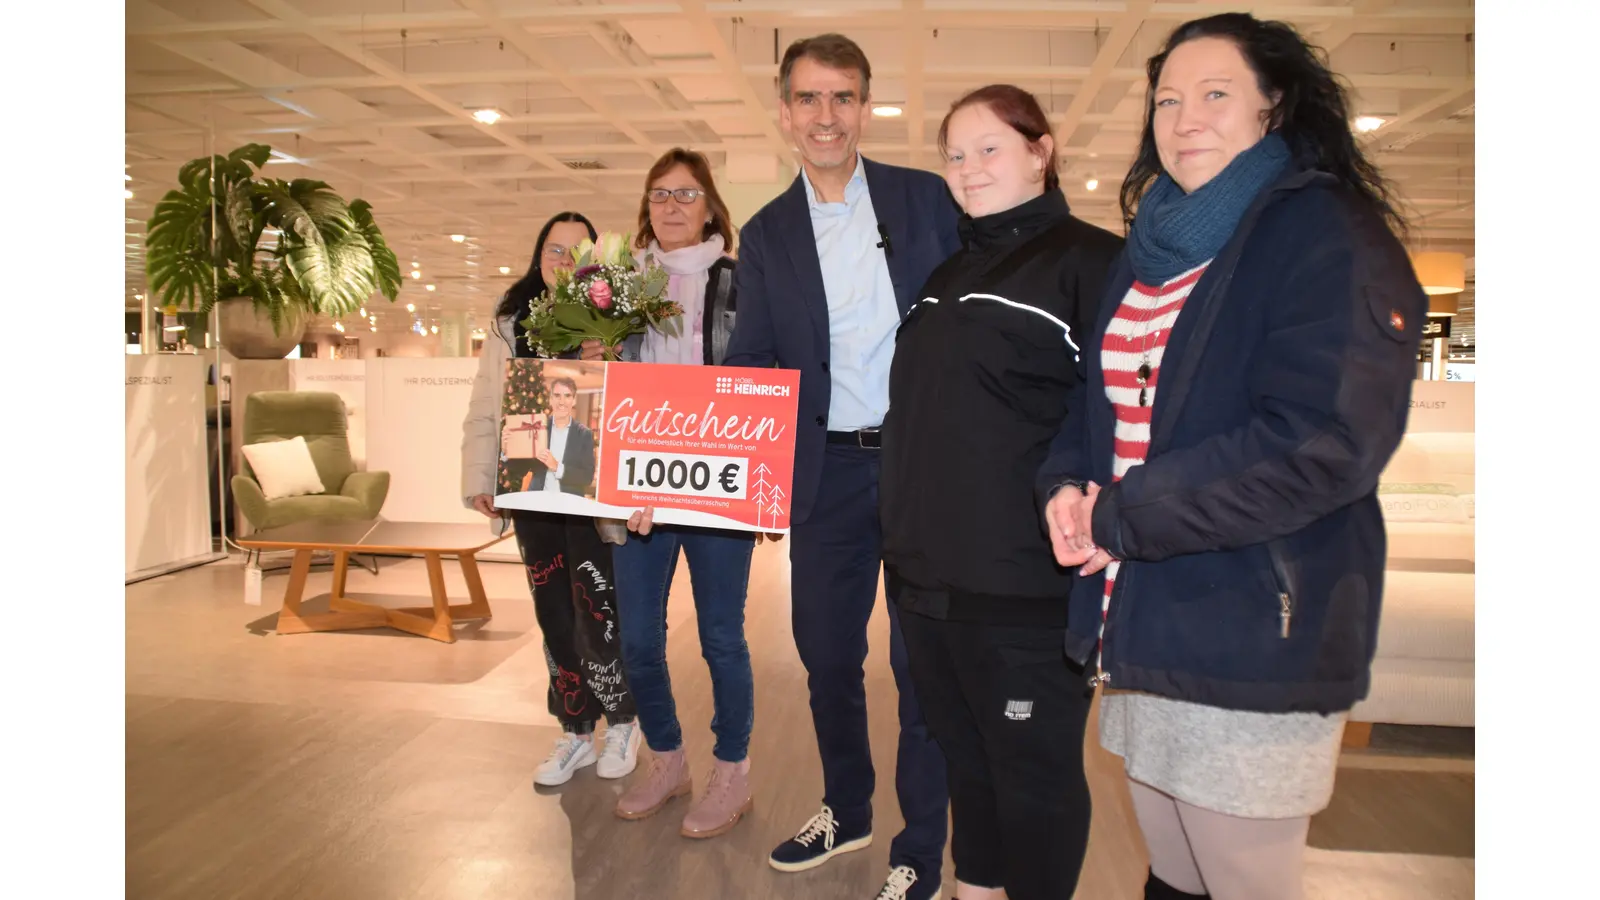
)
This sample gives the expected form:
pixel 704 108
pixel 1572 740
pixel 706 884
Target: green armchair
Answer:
pixel 319 418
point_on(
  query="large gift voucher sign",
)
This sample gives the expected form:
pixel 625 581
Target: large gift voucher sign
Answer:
pixel 703 445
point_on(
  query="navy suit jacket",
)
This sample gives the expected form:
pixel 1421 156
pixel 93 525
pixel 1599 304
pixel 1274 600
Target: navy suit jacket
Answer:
pixel 783 307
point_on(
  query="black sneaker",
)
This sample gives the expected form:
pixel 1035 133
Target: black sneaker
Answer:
pixel 904 883
pixel 819 841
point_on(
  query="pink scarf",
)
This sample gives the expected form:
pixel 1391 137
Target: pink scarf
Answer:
pixel 686 285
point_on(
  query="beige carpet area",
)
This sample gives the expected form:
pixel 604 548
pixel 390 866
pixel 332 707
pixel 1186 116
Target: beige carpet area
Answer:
pixel 376 765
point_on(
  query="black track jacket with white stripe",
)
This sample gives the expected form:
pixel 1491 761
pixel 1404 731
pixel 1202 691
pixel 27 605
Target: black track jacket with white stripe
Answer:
pixel 983 367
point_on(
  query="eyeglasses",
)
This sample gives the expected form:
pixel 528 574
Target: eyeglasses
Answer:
pixel 682 195
pixel 556 251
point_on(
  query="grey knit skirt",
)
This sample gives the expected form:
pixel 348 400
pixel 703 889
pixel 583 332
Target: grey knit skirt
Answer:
pixel 1246 764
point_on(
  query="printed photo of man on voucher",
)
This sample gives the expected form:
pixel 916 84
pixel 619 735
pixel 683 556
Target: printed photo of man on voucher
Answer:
pixel 547 443
pixel 702 445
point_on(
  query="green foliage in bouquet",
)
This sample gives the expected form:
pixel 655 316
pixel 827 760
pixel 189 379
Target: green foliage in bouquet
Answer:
pixel 608 296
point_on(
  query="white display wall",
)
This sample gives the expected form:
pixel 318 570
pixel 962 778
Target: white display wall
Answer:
pixel 415 408
pixel 168 514
pixel 1431 478
pixel 348 379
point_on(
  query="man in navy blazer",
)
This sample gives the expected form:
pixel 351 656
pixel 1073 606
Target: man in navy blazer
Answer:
pixel 826 271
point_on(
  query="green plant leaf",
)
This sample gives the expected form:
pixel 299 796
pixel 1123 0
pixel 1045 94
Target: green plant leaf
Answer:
pixel 185 280
pixel 384 262
pixel 258 154
pixel 238 238
pixel 575 316
pixel 655 281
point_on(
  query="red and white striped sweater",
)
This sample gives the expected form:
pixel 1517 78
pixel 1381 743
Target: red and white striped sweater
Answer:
pixel 1138 336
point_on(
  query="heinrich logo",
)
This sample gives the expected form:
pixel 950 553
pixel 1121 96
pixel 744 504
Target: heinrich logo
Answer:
pixel 727 384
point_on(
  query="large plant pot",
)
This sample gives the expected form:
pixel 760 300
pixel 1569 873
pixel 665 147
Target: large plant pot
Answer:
pixel 247 332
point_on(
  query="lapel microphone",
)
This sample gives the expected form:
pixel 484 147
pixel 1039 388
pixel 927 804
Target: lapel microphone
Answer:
pixel 884 245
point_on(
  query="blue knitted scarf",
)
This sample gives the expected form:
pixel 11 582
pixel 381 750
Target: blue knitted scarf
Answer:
pixel 1173 232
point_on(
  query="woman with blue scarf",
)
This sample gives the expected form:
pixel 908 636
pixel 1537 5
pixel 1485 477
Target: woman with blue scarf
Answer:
pixel 1249 378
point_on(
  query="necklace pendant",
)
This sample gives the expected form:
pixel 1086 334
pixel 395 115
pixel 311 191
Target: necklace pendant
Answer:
pixel 1143 397
pixel 1144 372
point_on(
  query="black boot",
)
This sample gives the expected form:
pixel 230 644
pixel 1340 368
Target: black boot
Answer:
pixel 1156 889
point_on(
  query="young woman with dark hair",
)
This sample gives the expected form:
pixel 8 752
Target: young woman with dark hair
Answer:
pixel 568 565
pixel 983 367
pixel 1249 378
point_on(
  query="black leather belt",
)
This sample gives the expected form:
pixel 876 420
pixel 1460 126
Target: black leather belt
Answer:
pixel 868 438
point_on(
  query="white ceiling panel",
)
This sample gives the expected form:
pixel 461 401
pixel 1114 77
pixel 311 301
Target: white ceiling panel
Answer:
pixel 374 97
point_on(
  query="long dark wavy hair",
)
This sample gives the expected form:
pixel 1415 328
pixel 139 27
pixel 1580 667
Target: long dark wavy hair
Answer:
pixel 1312 112
pixel 532 284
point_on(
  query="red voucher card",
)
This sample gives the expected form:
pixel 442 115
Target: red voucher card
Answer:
pixel 703 445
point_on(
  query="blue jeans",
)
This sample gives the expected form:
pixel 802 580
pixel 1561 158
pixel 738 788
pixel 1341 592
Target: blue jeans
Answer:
pixel 719 569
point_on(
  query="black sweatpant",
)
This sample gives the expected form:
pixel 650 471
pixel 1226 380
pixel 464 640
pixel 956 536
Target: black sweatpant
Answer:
pixel 1008 709
pixel 575 601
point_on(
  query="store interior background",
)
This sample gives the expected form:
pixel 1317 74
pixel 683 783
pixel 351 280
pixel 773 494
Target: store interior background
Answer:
pixel 466 124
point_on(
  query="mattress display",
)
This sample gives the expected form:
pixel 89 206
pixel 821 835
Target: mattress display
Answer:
pixel 1423 673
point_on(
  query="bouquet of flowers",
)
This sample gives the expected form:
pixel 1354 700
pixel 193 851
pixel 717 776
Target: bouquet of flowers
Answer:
pixel 607 296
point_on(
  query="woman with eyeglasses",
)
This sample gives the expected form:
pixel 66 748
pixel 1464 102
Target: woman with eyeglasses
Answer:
pixel 684 227
pixel 566 560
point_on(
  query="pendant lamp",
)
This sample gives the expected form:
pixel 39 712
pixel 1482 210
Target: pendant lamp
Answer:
pixel 1443 276
pixel 1440 273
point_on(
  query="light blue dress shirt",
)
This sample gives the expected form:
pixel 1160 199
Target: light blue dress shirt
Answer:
pixel 558 449
pixel 862 313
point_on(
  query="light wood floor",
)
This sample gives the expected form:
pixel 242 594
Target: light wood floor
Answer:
pixel 380 765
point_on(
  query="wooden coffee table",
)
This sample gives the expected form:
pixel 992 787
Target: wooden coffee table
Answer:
pixel 346 536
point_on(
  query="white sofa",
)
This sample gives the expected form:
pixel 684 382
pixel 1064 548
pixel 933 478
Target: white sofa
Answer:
pixel 1423 673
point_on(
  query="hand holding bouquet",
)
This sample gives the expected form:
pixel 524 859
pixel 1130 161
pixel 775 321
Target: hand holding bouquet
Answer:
pixel 607 296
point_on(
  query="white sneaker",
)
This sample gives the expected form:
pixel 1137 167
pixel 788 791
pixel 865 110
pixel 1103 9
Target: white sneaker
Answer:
pixel 621 752
pixel 570 754
pixel 902 880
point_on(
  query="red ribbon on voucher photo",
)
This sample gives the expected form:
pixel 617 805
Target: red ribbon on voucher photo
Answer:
pixel 706 446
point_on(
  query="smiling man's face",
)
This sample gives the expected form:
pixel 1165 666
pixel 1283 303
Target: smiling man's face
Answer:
pixel 824 113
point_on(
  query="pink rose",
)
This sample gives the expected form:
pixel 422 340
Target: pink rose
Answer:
pixel 600 294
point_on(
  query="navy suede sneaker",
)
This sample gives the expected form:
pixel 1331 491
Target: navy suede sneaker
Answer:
pixel 820 840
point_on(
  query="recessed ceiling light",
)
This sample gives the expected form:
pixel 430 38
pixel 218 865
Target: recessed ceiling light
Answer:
pixel 339 327
pixel 458 238
pixel 887 112
pixel 488 116
pixel 505 270
pixel 374 328
pixel 415 274
pixel 1091 184
pixel 411 307
pixel 432 288
pixel 1369 123
pixel 127 195
pixel 126 177
pixel 435 329
pixel 415 264
pixel 363 312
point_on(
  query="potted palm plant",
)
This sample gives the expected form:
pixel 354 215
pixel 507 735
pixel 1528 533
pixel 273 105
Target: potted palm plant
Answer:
pixel 266 253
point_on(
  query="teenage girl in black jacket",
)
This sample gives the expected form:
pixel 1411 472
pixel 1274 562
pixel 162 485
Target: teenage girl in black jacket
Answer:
pixel 982 369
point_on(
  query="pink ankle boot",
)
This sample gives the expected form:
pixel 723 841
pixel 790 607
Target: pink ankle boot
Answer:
pixel 727 798
pixel 667 777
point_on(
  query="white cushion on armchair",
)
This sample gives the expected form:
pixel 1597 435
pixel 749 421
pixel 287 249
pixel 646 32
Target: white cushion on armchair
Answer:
pixel 284 468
